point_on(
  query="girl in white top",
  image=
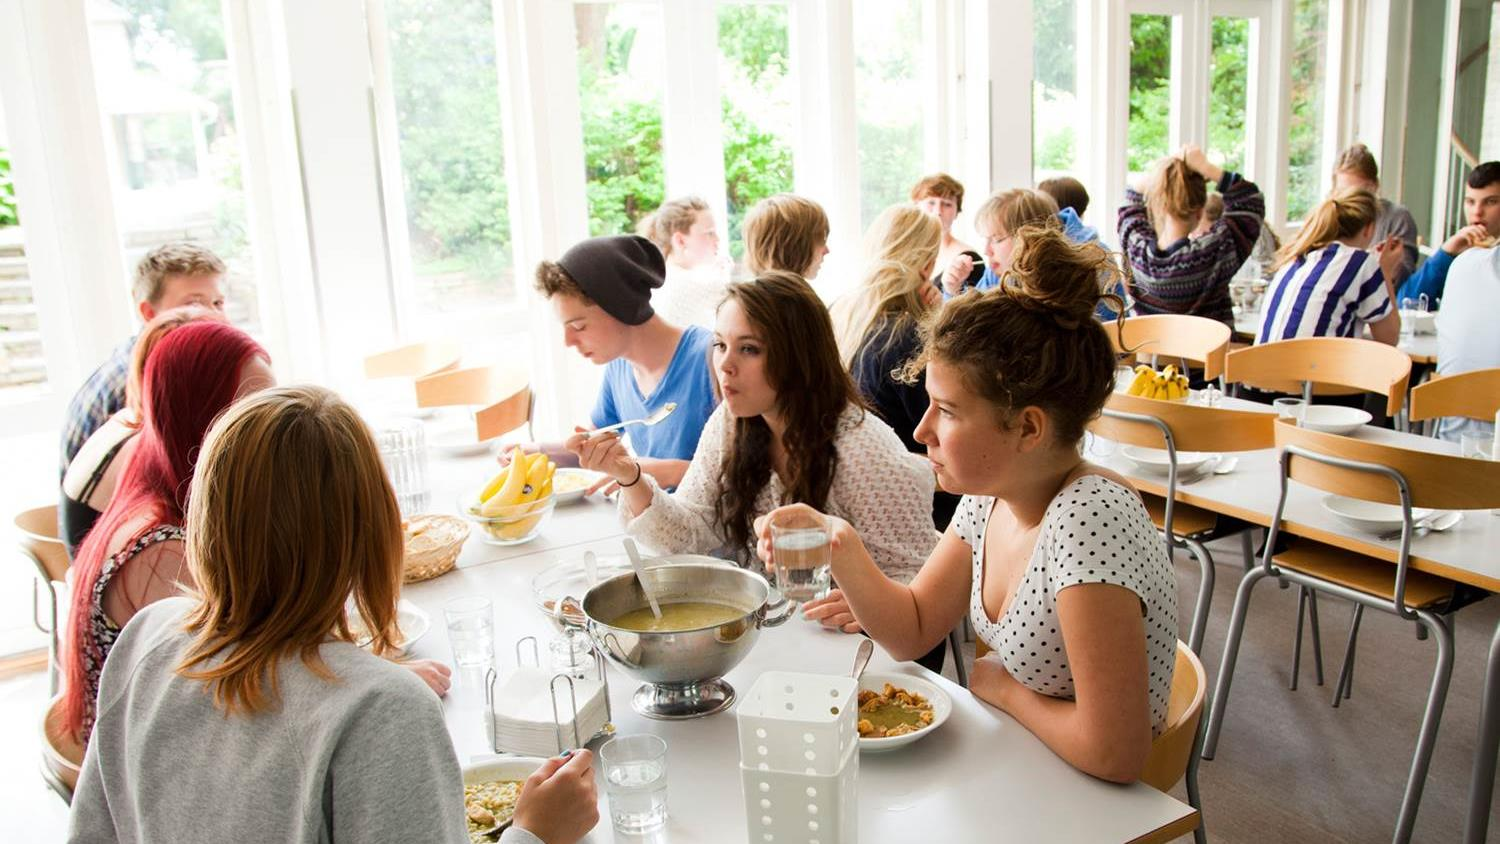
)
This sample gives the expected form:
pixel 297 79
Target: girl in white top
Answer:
pixel 1056 561
pixel 791 428
pixel 685 231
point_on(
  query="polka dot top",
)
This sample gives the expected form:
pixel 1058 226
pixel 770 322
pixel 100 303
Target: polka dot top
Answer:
pixel 1094 531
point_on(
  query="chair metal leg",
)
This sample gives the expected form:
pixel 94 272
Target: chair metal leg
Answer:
pixel 1346 673
pixel 1317 639
pixel 1247 547
pixel 1482 780
pixel 1297 640
pixel 1190 779
pixel 956 645
pixel 1205 593
pixel 1231 654
pixel 1427 737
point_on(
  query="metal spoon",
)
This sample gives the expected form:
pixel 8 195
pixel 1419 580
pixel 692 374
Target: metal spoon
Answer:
pixel 494 832
pixel 660 413
pixel 1431 524
pixel 640 575
pixel 862 658
pixel 1226 465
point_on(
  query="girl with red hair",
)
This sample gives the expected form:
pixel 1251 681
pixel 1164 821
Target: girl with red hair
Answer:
pixel 134 553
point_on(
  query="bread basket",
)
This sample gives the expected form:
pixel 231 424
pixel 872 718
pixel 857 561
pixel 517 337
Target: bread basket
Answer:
pixel 432 546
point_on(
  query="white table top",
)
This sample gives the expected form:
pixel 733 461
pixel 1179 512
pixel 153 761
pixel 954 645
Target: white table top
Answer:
pixel 979 770
pixel 1465 552
pixel 1423 348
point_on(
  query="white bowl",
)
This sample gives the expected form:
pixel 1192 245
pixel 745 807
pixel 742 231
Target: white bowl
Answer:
pixel 1156 460
pixel 413 621
pixel 1333 419
pixel 1369 516
pixel 942 707
pixel 569 484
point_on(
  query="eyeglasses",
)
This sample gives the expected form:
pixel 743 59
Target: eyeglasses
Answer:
pixel 996 241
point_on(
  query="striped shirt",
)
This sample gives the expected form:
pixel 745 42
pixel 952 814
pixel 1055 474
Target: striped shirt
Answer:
pixel 1329 292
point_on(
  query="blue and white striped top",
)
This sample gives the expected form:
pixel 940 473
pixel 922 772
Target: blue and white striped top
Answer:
pixel 1329 292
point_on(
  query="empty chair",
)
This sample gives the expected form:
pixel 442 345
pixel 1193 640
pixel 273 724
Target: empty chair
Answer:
pixel 1175 753
pixel 1291 366
pixel 502 398
pixel 1470 395
pixel 412 361
pixel 39 542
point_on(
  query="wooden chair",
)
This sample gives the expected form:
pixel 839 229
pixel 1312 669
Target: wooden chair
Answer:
pixel 1385 474
pixel 1178 426
pixel 62 756
pixel 503 397
pixel 1190 339
pixel 1175 753
pixel 1472 395
pixel 1298 365
pixel 413 361
pixel 39 542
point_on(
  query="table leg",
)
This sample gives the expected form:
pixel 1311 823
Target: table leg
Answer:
pixel 1482 781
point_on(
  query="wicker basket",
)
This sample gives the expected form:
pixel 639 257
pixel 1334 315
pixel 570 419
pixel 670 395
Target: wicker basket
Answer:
pixel 432 546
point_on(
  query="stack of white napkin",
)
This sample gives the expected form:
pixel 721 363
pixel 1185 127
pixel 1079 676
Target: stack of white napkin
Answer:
pixel 521 719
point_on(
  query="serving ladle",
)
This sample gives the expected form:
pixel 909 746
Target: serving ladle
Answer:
pixel 640 575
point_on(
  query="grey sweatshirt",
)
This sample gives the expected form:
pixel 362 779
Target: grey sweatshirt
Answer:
pixel 362 758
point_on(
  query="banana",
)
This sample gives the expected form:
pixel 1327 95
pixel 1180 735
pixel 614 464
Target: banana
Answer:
pixel 534 478
pixel 511 491
pixel 1170 372
pixel 1158 388
pixel 1141 381
pixel 494 485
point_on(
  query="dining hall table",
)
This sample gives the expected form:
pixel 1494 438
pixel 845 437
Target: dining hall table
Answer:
pixel 1468 552
pixel 978 776
pixel 1421 348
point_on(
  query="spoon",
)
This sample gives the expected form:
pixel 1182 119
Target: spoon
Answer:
pixel 862 658
pixel 661 413
pixel 591 568
pixel 1431 524
pixel 640 575
pixel 1226 465
pixel 494 832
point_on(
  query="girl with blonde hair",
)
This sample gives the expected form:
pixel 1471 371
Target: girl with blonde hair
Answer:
pixel 786 232
pixel 292 530
pixel 997 221
pixel 685 232
pixel 1328 284
pixel 1173 273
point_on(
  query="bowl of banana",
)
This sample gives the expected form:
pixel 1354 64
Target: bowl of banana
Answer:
pixel 512 507
pixel 1167 385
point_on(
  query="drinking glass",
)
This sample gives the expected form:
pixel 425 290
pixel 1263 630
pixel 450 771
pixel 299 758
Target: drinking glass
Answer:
pixel 403 450
pixel 635 778
pixel 1294 409
pixel 802 547
pixel 1408 320
pixel 471 631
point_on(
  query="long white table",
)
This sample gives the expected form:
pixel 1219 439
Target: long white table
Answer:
pixel 980 775
pixel 1422 348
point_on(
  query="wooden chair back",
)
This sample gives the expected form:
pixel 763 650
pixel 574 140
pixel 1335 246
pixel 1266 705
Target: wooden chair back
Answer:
pixel 1341 361
pixel 1474 395
pixel 37 529
pixel 1436 481
pixel 503 397
pixel 1168 760
pixel 1194 427
pixel 1192 338
pixel 413 360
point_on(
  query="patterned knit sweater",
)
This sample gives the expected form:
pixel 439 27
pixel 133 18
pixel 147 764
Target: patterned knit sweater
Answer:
pixel 1191 276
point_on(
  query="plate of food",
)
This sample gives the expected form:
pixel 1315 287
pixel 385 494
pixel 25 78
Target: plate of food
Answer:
pixel 491 789
pixel 569 484
pixel 898 709
pixel 411 619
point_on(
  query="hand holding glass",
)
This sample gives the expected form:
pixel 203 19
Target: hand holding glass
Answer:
pixel 802 551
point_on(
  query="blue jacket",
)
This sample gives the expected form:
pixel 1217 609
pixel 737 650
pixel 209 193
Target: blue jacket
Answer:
pixel 1428 279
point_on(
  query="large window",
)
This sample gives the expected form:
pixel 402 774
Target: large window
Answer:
pixel 162 74
pixel 1150 90
pixel 754 56
pixel 23 367
pixel 889 102
pixel 621 58
pixel 1054 98
pixel 1228 102
pixel 447 107
pixel 1305 177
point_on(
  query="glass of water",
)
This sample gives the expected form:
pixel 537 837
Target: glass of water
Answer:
pixel 403 449
pixel 1293 409
pixel 801 545
pixel 471 631
pixel 635 777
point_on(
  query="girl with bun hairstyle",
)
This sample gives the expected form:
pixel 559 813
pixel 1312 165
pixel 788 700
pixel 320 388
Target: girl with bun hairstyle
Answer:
pixel 1172 272
pixel 1055 560
pixel 1329 281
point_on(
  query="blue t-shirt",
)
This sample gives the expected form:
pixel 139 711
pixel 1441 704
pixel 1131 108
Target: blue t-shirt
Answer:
pixel 687 382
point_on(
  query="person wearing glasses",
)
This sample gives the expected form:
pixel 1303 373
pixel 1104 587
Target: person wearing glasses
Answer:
pixel 997 220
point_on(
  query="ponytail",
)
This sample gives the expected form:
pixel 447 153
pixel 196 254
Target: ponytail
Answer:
pixel 1344 214
pixel 1177 191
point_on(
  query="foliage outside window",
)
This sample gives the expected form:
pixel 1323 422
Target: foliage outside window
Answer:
pixel 1055 87
pixel 754 64
pixel 446 92
pixel 9 214
pixel 1228 103
pixel 1150 90
pixel 888 102
pixel 1305 176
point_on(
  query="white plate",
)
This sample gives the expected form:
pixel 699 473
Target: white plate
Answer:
pixel 942 707
pixel 569 483
pixel 1156 461
pixel 457 447
pixel 1369 516
pixel 412 619
pixel 1333 419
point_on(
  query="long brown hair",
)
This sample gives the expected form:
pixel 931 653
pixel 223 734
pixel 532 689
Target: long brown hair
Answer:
pixel 1033 341
pixel 1176 190
pixel 812 391
pixel 291 514
pixel 1345 214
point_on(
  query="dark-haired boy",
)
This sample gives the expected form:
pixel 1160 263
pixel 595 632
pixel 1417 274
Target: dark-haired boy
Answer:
pixel 1482 213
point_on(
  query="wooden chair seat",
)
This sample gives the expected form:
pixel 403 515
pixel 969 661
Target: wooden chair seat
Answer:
pixel 62 757
pixel 1187 520
pixel 1363 574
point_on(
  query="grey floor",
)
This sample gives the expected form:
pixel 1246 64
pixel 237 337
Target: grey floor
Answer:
pixel 1289 767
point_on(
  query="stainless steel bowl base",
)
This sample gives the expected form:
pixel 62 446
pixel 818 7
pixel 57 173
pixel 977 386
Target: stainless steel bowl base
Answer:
pixel 676 702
